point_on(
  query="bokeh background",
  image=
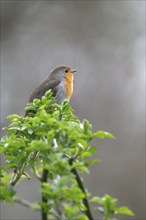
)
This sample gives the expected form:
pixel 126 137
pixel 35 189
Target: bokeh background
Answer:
pixel 105 41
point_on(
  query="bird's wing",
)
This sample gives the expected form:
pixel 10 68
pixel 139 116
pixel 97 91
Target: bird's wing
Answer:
pixel 43 87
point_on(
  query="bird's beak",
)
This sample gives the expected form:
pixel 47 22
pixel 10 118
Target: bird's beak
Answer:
pixel 74 70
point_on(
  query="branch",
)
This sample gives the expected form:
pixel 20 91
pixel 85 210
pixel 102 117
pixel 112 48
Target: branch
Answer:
pixel 25 203
pixel 15 178
pixel 36 173
pixel 18 173
pixel 44 180
pixel 44 199
pixel 81 186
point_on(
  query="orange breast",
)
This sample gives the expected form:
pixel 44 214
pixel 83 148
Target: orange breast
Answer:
pixel 68 84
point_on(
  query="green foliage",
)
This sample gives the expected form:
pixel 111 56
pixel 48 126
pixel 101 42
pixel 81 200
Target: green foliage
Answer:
pixel 7 193
pixel 108 207
pixel 51 142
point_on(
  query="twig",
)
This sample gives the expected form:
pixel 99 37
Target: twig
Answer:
pixel 81 186
pixel 18 173
pixel 25 203
pixel 15 178
pixel 44 180
pixel 44 199
pixel 36 173
pixel 27 175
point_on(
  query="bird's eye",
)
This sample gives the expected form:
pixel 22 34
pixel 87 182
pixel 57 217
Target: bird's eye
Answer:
pixel 66 70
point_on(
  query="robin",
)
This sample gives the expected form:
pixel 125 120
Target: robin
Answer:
pixel 60 81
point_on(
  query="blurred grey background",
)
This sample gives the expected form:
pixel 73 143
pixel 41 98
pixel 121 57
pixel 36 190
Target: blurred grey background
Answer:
pixel 105 41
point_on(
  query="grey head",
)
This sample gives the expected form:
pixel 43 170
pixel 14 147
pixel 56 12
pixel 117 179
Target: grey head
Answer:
pixel 59 72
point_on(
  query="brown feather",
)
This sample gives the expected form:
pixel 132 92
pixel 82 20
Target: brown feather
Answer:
pixel 43 87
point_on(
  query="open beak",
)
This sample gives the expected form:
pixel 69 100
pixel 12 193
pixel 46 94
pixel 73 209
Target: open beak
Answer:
pixel 74 70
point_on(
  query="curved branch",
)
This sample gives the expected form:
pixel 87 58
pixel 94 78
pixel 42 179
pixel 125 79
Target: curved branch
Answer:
pixel 81 186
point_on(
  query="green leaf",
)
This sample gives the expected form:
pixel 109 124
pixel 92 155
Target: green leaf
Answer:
pixel 80 166
pixel 103 134
pixel 46 206
pixel 7 193
pixel 35 206
pixel 92 149
pixel 14 117
pixel 82 217
pixel 70 211
pixel 108 206
pixel 30 131
pixel 82 144
pixel 5 178
pixel 101 210
pixel 38 145
pixel 91 162
pixel 96 199
pixel 124 210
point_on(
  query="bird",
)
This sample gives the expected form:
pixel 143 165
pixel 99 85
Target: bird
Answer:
pixel 59 81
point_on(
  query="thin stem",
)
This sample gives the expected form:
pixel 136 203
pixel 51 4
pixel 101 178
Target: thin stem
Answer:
pixel 81 186
pixel 44 199
pixel 15 177
pixel 36 173
pixel 25 203
pixel 44 180
pixel 18 173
